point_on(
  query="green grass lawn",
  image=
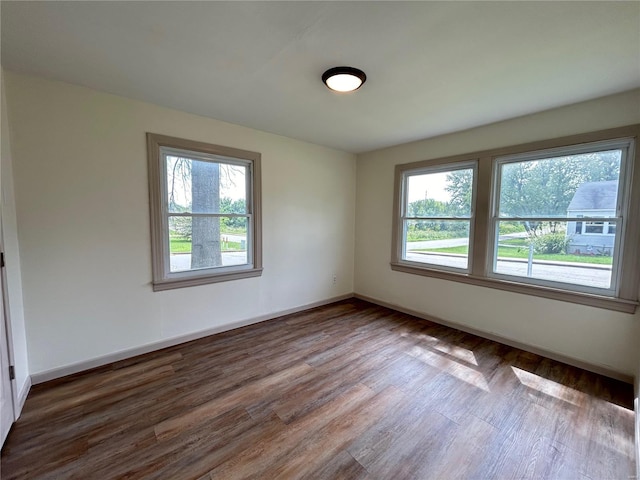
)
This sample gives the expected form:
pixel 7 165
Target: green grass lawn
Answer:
pixel 415 235
pixel 181 245
pixel 523 252
pixel 422 235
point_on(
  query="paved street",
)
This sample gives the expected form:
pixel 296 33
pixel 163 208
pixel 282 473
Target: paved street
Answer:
pixel 595 276
pixel 181 262
pixel 449 242
pixel 592 277
pixel 231 237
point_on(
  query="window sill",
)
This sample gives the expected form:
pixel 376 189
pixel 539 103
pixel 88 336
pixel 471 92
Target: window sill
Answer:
pixel 598 301
pixel 193 281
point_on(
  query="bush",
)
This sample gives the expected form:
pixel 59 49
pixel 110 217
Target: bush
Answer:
pixel 550 243
pixel 181 226
pixel 511 227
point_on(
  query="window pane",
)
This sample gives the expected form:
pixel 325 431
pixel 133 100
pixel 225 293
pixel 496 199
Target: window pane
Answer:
pixel 594 227
pixel 567 186
pixel 207 242
pixel 196 186
pixel 438 242
pixel 546 251
pixel 578 229
pixel 440 194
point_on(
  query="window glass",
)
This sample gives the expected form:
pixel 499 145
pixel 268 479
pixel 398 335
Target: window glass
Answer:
pixel 569 185
pixel 206 242
pixel 558 206
pixel 437 217
pixel 556 218
pixel 198 186
pixel 205 212
pixel 594 227
pixel 440 194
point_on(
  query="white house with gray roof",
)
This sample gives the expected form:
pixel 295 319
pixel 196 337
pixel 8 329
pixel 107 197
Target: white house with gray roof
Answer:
pixel 593 199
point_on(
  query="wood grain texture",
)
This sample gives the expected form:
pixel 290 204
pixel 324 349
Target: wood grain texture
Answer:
pixel 345 391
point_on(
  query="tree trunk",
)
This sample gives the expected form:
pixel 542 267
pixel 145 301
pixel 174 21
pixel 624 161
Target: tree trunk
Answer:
pixel 205 234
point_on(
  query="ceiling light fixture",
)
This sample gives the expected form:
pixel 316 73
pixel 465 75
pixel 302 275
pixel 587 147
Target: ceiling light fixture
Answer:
pixel 344 79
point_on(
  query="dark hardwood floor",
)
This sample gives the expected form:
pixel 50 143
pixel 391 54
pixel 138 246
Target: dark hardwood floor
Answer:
pixel 350 390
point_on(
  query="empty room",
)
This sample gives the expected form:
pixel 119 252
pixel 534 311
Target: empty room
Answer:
pixel 320 240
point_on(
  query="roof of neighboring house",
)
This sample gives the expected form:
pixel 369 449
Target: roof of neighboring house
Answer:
pixel 595 196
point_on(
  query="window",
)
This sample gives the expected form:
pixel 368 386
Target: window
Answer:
pixel 205 212
pixel 594 226
pixel 558 219
pixel 597 227
pixel 437 215
pixel 579 224
pixel 542 193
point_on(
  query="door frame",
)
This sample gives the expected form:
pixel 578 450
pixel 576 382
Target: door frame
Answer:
pixel 15 401
pixel 7 346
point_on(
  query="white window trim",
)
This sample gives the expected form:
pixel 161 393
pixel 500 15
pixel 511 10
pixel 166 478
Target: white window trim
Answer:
pixel 605 227
pixel 594 221
pixel 162 277
pixel 625 296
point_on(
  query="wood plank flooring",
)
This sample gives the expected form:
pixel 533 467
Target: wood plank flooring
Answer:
pixel 346 391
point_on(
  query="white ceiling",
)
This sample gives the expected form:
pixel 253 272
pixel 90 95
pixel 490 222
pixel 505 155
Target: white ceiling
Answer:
pixel 432 67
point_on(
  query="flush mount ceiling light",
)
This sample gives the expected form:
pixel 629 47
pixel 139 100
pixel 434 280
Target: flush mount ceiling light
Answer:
pixel 344 79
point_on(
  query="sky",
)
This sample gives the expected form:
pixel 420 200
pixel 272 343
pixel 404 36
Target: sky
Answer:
pixel 431 186
pixel 232 182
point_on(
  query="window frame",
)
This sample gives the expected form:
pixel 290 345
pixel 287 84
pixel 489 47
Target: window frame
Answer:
pixel 439 168
pixel 595 223
pixel 623 144
pixel 162 277
pixel 583 225
pixel 623 299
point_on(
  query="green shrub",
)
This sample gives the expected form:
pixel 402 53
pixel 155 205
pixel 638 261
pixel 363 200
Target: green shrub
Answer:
pixel 511 227
pixel 550 243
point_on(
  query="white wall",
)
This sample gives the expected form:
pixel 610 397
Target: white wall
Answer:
pixel 79 164
pixel 602 338
pixel 83 223
pixel 14 304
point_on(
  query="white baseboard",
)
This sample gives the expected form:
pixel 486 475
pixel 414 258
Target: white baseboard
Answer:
pixel 47 375
pixel 59 372
pixel 22 397
pixel 602 370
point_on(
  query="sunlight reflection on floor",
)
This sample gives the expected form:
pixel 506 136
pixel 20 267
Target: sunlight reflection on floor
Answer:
pixel 549 387
pixel 607 433
pixel 461 353
pixel 450 366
